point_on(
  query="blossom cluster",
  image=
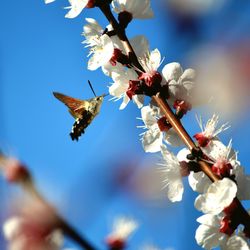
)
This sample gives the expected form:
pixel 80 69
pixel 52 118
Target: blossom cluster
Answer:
pixel 135 78
pixel 136 72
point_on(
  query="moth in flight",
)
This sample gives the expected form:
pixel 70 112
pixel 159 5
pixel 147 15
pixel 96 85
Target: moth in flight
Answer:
pixel 84 111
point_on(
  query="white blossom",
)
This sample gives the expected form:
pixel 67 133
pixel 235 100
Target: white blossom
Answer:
pixel 91 29
pixel 219 195
pixel 217 151
pixel 151 61
pixel 101 51
pixel 75 8
pixel 171 175
pixel 138 8
pixel 180 83
pixel 123 228
pixel 210 130
pixel 153 137
pixel 120 86
pixel 208 234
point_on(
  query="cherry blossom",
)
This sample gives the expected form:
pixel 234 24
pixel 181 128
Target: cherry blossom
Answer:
pixel 118 89
pixel 180 84
pixel 153 138
pixel 76 7
pixel 101 50
pixel 137 8
pixel 150 62
pixel 123 228
pixel 210 131
pixel 208 234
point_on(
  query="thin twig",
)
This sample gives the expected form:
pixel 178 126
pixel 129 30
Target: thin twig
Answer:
pixel 30 188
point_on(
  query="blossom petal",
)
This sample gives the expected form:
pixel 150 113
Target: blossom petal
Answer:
pixel 76 8
pixel 152 141
pixel 199 182
pixel 101 55
pixel 172 71
pixel 235 242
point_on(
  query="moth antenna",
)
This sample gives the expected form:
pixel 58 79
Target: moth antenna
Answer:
pixel 90 85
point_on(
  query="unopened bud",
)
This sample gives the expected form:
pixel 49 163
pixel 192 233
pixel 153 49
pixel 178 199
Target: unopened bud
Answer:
pixel 14 171
pixel 115 243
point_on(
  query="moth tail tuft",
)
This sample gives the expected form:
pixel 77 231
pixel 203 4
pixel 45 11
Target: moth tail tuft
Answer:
pixel 77 129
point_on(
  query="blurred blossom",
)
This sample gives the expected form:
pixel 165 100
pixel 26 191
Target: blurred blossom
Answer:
pixel 34 228
pixel 220 81
pixel 194 6
pixel 123 228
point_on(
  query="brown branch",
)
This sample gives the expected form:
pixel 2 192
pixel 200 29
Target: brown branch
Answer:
pixel 240 212
pixel 25 181
pixel 30 188
pixel 120 32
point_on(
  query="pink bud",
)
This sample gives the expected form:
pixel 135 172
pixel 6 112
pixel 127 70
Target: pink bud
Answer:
pixel 15 172
pixel 115 243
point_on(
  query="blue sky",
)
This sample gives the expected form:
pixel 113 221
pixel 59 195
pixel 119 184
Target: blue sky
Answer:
pixel 41 52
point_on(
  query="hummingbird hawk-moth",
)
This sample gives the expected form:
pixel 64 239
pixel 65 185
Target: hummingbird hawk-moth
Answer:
pixel 84 111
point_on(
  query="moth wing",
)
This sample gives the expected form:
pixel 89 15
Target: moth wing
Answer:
pixel 75 106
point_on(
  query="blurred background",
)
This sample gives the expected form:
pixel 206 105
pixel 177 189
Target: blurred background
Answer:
pixel 107 173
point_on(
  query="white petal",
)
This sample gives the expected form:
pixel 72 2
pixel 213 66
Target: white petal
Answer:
pixel 155 59
pixel 49 1
pixel 187 79
pixel 175 190
pixel 140 45
pixel 76 8
pixel 125 102
pixel 138 100
pixel 219 195
pixel 209 220
pixel 148 115
pixel 172 138
pixel 172 71
pixel 208 237
pixel 199 182
pixel 172 179
pixel 117 89
pixel 152 141
pixel 236 243
pixel 12 228
pixel 101 55
pixel 182 155
pixel 123 227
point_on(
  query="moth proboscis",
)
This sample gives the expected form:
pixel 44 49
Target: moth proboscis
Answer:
pixel 84 111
